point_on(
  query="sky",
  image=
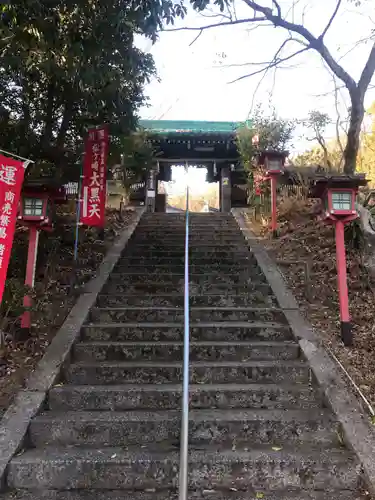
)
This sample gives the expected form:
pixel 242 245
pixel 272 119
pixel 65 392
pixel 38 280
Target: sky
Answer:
pixel 195 178
pixel 195 75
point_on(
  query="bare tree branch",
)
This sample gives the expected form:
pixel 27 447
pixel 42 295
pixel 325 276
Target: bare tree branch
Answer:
pixel 338 119
pixel 331 20
pixel 278 8
pixel 216 25
pixel 196 38
pixel 262 63
pixel 275 62
pixel 315 43
pixel 256 90
pixel 368 72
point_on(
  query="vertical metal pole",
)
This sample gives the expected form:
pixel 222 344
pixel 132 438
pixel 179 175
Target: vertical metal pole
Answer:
pixel 184 445
pixel 78 212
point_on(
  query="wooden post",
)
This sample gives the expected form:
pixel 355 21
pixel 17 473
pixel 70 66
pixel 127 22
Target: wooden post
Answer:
pixel 226 190
pixel 342 285
pixel 151 191
pixel 30 275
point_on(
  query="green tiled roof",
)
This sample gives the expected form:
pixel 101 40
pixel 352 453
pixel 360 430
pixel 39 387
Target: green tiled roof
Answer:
pixel 191 127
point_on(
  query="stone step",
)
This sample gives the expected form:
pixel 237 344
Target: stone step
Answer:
pixel 173 351
pixel 205 229
pixel 155 288
pixel 168 396
pixel 173 244
pixel 172 239
pixel 193 219
pixel 166 270
pixel 201 372
pixel 176 278
pixel 222 257
pixel 204 251
pixel 239 429
pixel 177 300
pixel 178 261
pixel 165 267
pixel 198 215
pixel 258 469
pixel 210 494
pixel 173 314
pixel 180 223
pixel 224 331
pixel 174 236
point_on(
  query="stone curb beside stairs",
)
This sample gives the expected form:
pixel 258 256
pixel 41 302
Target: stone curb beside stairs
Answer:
pixel 28 402
pixel 358 433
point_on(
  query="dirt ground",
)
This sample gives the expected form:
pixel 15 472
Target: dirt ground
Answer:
pixel 58 284
pixel 303 239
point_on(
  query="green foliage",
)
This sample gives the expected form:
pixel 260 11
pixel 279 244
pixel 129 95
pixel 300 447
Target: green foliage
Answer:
pixel 366 157
pixel 274 133
pixel 246 147
pixel 12 306
pixel 315 156
pixel 68 66
pixel 327 155
pixel 138 157
pixel 317 122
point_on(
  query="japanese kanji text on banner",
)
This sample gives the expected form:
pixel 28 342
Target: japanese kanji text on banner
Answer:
pixel 11 178
pixel 94 178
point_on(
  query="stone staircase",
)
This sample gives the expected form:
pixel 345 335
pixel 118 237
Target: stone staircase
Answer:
pixel 259 428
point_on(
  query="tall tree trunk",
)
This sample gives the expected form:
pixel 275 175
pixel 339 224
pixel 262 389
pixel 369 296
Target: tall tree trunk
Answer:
pixel 65 123
pixel 49 118
pixel 327 161
pixel 357 113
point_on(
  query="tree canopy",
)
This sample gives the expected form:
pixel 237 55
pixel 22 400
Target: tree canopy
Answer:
pixel 66 66
pixel 329 153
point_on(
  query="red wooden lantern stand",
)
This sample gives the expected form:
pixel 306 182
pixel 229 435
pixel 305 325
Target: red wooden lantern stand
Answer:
pixel 338 194
pixel 273 162
pixel 36 213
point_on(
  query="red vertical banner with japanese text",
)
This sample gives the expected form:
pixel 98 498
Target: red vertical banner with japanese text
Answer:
pixel 12 173
pixel 94 181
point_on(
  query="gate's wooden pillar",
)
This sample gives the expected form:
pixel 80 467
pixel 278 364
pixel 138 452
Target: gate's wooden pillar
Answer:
pixel 151 189
pixel 225 189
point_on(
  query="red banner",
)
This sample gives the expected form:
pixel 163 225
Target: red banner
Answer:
pixel 11 178
pixel 94 178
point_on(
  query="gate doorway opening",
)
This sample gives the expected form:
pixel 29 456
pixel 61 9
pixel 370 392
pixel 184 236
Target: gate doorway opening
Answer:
pixel 203 196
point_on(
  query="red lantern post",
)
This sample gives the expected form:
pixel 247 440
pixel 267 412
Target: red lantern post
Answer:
pixel 273 162
pixel 338 194
pixel 36 213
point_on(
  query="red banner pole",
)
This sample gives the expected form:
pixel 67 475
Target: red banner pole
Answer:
pixel 94 178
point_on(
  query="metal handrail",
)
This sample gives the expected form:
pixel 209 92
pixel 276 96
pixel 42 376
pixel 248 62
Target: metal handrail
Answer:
pixel 184 440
